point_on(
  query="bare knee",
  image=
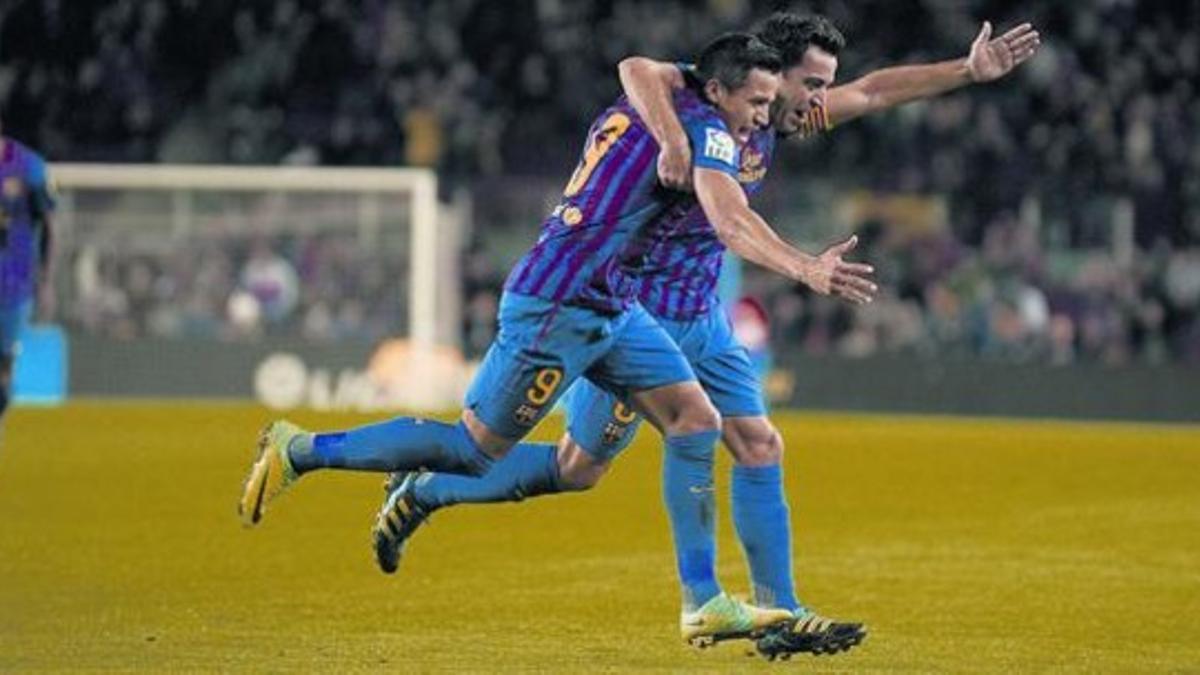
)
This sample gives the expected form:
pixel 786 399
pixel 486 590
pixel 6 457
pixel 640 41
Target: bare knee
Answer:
pixel 697 417
pixel 577 470
pixel 679 409
pixel 492 444
pixel 753 441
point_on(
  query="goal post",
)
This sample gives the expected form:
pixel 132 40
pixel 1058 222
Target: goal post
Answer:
pixel 373 191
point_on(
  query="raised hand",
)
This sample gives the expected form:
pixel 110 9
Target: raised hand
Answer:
pixel 851 281
pixel 991 59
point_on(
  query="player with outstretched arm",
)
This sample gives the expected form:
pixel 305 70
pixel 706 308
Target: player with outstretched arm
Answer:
pixel 569 310
pixel 680 293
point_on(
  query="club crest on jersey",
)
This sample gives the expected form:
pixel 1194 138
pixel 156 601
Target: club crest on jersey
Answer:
pixel 752 169
pixel 613 432
pixel 571 215
pixel 525 415
pixel 719 145
pixel 12 188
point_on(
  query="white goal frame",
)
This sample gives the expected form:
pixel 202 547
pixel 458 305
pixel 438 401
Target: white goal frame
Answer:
pixel 185 179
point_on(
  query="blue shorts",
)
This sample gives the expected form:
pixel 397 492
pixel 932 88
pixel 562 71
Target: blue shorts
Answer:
pixel 13 319
pixel 542 347
pixel 603 426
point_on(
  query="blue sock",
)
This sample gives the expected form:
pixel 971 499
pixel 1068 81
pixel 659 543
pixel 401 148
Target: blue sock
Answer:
pixel 399 444
pixel 528 470
pixel 760 515
pixel 691 506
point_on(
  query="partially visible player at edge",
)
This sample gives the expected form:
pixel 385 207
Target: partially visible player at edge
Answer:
pixel 569 310
pixel 26 204
pixel 598 427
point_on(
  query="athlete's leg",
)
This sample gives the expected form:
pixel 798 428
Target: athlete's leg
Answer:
pixel 540 349
pixel 598 429
pixel 596 420
pixel 6 365
pixel 536 355
pixel 405 443
pixel 760 512
pixel 13 319
pixel 397 444
pixel 691 427
pixel 529 470
pixel 646 367
pixel 760 515
pixel 752 441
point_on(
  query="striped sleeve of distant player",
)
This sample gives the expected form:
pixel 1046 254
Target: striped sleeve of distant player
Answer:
pixel 43 193
pixel 42 196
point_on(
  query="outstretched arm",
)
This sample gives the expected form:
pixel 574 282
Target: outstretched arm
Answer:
pixel 748 235
pixel 648 84
pixel 989 59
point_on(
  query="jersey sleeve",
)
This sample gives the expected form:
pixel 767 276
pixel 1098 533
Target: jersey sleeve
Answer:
pixel 42 193
pixel 713 146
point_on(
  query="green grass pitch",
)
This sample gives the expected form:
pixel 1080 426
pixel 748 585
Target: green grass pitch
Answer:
pixel 966 545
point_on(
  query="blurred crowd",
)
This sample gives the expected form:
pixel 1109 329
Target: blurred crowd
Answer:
pixel 1107 113
pixel 320 288
pixel 1006 300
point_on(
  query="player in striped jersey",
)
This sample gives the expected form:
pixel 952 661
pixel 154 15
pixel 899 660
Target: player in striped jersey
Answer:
pixel 26 204
pixel 678 288
pixel 569 310
pixel 808 104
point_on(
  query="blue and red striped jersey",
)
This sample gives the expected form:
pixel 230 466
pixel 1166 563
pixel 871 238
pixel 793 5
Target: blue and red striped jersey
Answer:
pixel 679 278
pixel 25 198
pixel 589 251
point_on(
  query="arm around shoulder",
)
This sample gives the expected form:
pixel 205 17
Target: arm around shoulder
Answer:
pixel 650 84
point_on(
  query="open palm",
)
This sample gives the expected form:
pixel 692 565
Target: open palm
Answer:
pixel 991 59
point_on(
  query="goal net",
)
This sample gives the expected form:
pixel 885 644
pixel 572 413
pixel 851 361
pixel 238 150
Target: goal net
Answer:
pixel 257 255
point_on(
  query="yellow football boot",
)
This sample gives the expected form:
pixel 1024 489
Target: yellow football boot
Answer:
pixel 271 473
pixel 725 618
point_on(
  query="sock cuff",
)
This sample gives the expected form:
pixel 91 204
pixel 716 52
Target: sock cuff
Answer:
pixel 697 446
pixel 324 444
pixel 472 455
pixel 550 459
pixel 758 475
pixel 553 471
pixel 757 486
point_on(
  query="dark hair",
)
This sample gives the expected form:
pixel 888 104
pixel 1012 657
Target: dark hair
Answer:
pixel 792 34
pixel 729 59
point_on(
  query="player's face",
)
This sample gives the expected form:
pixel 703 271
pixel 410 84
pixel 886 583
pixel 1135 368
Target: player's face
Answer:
pixel 803 86
pixel 748 108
